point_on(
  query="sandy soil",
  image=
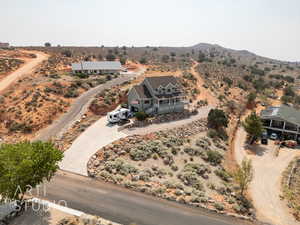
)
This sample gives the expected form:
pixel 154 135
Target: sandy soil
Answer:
pixel 26 68
pixel 265 188
pixel 204 92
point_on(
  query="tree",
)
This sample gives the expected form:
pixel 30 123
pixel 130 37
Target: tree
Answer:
pixel 251 99
pixel 100 57
pixel 123 60
pixel 47 44
pixel 165 58
pixel 67 53
pixel 173 54
pixel 24 165
pixel 141 116
pixel 110 57
pixel 253 126
pixel 285 99
pixel 289 91
pixel 243 175
pixel 201 57
pixel 143 60
pixel 217 119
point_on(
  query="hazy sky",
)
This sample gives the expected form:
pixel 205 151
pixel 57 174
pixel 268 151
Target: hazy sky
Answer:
pixel 267 27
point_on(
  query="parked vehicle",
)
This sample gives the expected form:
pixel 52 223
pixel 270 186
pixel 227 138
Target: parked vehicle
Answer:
pixel 274 136
pixel 264 141
pixel 118 115
pixel 264 138
pixel 289 144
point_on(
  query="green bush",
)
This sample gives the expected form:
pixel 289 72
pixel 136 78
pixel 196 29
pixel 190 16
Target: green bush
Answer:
pixel 214 157
pixel 141 116
pixel 223 175
pixel 219 206
pixel 82 75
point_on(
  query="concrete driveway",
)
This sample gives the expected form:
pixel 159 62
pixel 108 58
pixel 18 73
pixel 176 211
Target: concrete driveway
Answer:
pixel 265 188
pixel 88 143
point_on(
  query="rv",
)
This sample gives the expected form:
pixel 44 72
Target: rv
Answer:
pixel 119 115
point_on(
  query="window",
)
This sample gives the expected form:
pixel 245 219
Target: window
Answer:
pixel 146 101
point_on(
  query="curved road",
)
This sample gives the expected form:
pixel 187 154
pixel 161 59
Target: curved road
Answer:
pixel 79 107
pixel 124 206
pixel 28 67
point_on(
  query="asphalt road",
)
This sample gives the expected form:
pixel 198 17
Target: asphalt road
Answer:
pixel 79 107
pixel 121 205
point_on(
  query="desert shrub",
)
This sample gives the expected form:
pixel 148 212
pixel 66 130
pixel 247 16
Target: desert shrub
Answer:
pixel 189 76
pixel 71 93
pixel 145 175
pixel 228 81
pixel 110 57
pixel 141 116
pixel 67 53
pixel 120 167
pixel 143 60
pixel 172 141
pixel 213 157
pixel 257 71
pixel 219 206
pixel 192 151
pixel 140 153
pixel 174 167
pixel 82 75
pixel 215 134
pixel 22 127
pixel 200 169
pixel 204 143
pixel 223 175
pixel 191 179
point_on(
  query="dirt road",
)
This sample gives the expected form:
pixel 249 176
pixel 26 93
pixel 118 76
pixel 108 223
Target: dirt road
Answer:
pixel 205 93
pixel 265 188
pixel 27 68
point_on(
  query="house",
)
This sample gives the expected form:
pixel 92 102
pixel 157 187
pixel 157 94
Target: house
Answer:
pixel 4 45
pixel 157 95
pixel 103 67
pixel 283 120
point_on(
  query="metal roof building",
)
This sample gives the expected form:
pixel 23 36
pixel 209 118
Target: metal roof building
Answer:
pixel 97 66
pixel 282 112
pixel 282 120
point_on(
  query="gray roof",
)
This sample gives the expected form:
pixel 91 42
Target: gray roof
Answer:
pixel 142 91
pixel 283 112
pixel 103 65
pixel 155 82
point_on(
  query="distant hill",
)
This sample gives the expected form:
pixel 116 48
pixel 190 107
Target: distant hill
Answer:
pixel 244 56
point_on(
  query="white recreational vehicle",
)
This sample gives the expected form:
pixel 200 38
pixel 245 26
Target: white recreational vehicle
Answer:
pixel 118 115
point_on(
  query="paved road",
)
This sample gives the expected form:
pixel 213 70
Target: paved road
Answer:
pixel 79 107
pixel 27 68
pixel 87 144
pixel 124 206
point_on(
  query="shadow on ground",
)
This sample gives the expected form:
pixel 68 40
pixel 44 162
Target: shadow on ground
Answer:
pixel 35 215
pixel 256 149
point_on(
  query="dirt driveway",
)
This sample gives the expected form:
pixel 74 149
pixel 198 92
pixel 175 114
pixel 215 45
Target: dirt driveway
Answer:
pixel 265 188
pixel 27 68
